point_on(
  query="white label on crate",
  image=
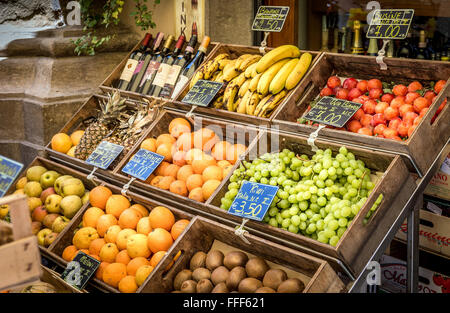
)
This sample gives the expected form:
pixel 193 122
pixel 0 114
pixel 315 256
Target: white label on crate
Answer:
pixel 445 168
pixel 434 208
pixel 162 74
pixel 128 71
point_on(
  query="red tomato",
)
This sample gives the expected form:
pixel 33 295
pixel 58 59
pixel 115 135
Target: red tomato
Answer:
pixel 393 124
pixel 354 93
pixel 374 83
pixel 410 97
pixel 378 119
pixel 375 93
pixel 365 131
pixel 353 126
pixel 381 106
pixel 369 106
pixel 350 83
pixel 387 97
pixel 362 86
pixel 379 129
pixel 400 90
pixel 342 93
pixel 333 82
pixel 327 91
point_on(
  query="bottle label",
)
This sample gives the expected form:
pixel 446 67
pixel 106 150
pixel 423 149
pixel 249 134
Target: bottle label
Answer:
pixel 138 67
pixel 161 76
pixel 151 69
pixel 179 86
pixel 171 80
pixel 128 71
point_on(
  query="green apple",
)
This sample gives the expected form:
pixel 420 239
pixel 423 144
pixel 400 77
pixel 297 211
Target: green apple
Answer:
pixel 59 181
pixel 70 205
pixel 48 179
pixel 48 240
pixel 33 203
pixel 59 224
pixel 34 173
pixel 47 192
pixel 41 236
pixel 53 203
pixel 72 186
pixel 85 198
pixel 33 189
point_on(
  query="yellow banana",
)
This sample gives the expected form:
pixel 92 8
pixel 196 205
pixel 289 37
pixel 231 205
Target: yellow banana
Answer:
pixel 221 56
pixel 230 65
pixel 211 67
pixel 275 55
pixel 196 77
pixel 254 72
pixel 254 58
pixel 241 59
pixel 244 100
pixel 219 77
pixel 252 103
pixel 271 103
pixel 215 75
pixel 261 105
pixel 229 74
pixel 249 70
pixel 230 96
pixel 223 63
pixel 244 88
pixel 278 82
pixel 268 75
pixel 299 71
pixel 218 103
pixel 254 82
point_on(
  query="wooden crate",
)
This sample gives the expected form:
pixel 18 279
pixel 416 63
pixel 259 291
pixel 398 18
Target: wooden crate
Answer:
pixel 63 170
pixel 358 243
pixel 112 80
pixel 235 51
pixel 89 109
pixel 425 142
pixel 233 133
pixel 203 234
pixel 65 238
pixel 19 259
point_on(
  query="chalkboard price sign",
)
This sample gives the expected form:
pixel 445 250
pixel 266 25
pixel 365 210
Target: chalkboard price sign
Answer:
pixel 253 200
pixel 270 18
pixel 142 164
pixel 390 24
pixel 202 93
pixel 105 153
pixel 80 270
pixel 332 111
pixel 9 169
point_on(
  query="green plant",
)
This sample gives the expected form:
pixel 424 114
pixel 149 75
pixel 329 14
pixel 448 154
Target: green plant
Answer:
pixel 142 16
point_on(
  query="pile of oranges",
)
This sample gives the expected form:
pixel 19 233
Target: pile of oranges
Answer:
pixel 127 239
pixel 194 163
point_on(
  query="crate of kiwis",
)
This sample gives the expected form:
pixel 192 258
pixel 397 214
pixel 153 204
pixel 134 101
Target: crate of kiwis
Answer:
pixel 214 260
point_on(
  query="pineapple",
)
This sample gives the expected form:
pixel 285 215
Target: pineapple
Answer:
pixel 99 129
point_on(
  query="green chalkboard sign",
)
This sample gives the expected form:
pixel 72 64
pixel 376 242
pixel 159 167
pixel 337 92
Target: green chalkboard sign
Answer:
pixel 332 111
pixel 270 18
pixel 390 24
pixel 80 270
pixel 202 93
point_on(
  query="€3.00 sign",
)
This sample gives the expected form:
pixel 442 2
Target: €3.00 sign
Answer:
pixel 142 164
pixel 253 200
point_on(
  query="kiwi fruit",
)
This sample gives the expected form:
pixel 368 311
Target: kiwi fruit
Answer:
pixel 220 288
pixel 235 258
pixel 180 278
pixel 265 290
pixel 291 285
pixel 249 285
pixel 256 267
pixel 274 277
pixel 201 273
pixel 234 278
pixel 214 259
pixel 219 275
pixel 204 286
pixel 198 260
pixel 189 286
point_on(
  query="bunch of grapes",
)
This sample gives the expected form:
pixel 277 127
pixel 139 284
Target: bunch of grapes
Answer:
pixel 317 197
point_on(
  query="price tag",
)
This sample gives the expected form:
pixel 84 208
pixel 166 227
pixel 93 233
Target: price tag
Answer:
pixel 202 93
pixel 390 23
pixel 332 111
pixel 105 153
pixel 80 270
pixel 9 169
pixel 253 200
pixel 270 18
pixel 142 164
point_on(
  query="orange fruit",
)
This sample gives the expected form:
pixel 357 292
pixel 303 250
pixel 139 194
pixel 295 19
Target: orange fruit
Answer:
pixel 165 182
pixel 149 144
pixel 123 257
pixel 111 233
pixel 128 284
pixel 143 226
pixel 100 270
pixel 209 187
pixel 159 240
pixel 178 158
pixel 178 228
pixel 156 258
pixel 219 151
pixel 179 187
pixel 165 149
pixel 161 168
pixel 196 194
pixel 122 237
pixel 109 252
pixel 84 251
pixel 84 236
pixel 193 154
pixel 76 136
pixel 199 165
pixel 140 208
pixel 179 126
pixel 212 172
pixel 96 245
pixel 234 152
pixel 98 196
pixel 69 253
pixel 184 172
pixel 113 274
pixel 156 181
pixel 185 142
pixel 61 142
pixel 129 218
pixel 224 164
pixel 165 139
pixel 194 181
pixel 116 204
pixel 205 139
pixel 142 273
pixel 161 217
pixel 171 170
pixel 150 178
pixel 104 222
pixel 137 246
pixel 135 264
pixel 91 216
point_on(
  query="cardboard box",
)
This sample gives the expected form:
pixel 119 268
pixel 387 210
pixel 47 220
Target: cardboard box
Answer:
pixel 439 185
pixel 393 277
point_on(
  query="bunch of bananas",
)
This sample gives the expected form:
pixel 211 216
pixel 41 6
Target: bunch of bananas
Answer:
pixel 255 84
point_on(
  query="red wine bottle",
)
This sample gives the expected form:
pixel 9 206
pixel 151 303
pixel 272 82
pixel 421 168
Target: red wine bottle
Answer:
pixel 133 60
